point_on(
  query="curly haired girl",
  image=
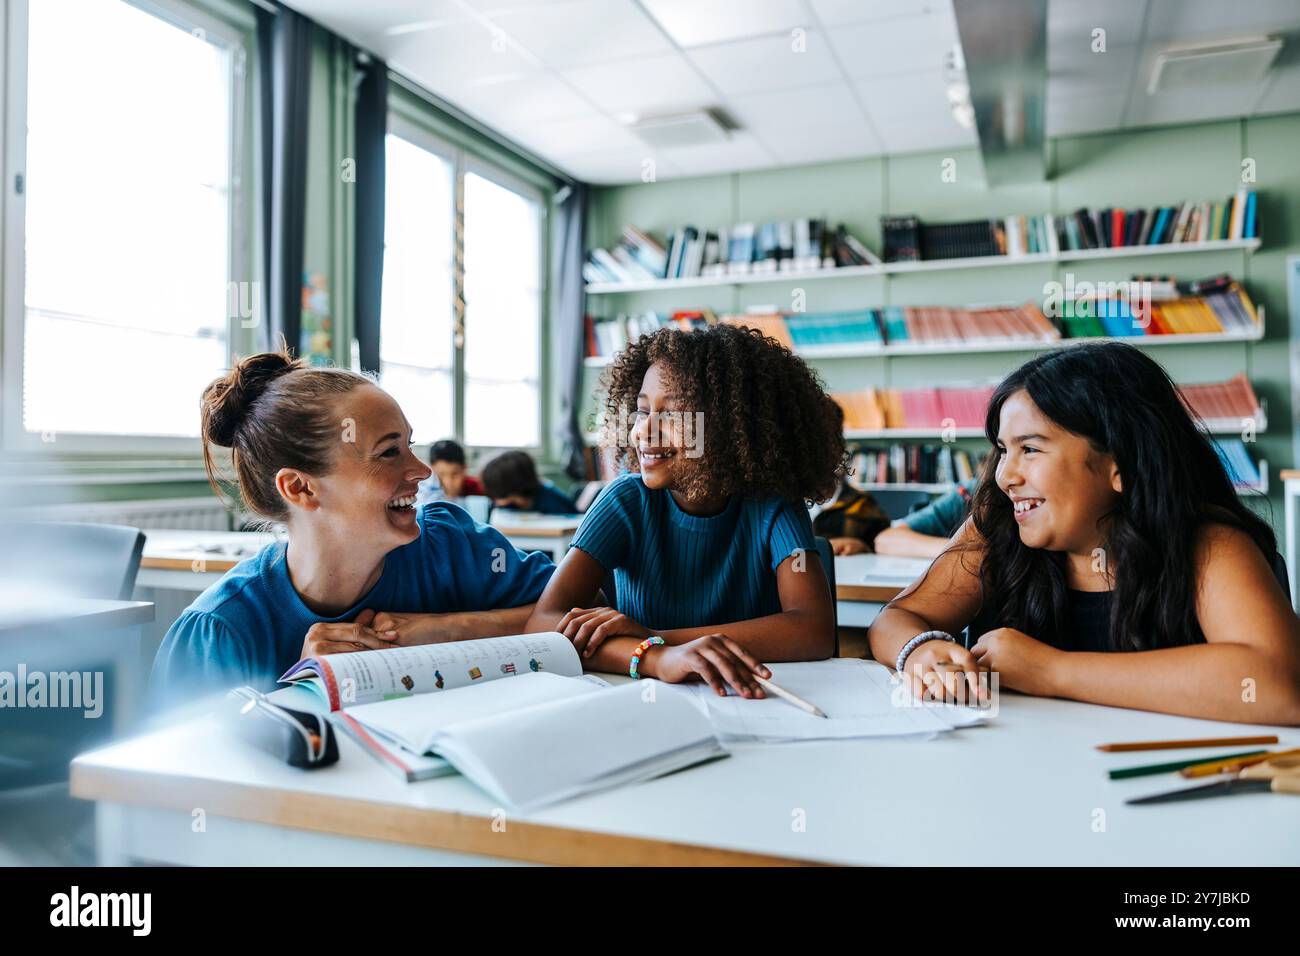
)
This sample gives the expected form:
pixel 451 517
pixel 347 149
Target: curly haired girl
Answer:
pixel 707 540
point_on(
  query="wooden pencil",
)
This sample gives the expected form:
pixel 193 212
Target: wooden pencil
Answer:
pixel 1175 744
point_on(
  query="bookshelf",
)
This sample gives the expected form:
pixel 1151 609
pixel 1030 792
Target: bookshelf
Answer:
pixel 849 352
pixel 930 265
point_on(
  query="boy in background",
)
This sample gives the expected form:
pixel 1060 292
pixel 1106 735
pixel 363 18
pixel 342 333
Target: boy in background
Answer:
pixel 511 481
pixel 450 479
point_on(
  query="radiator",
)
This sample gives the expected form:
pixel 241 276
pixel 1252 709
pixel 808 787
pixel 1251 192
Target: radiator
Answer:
pixel 191 514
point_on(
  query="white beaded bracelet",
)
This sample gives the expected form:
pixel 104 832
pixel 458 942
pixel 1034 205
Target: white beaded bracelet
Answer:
pixel 917 641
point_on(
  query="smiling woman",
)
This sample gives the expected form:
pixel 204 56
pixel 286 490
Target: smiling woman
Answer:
pixel 328 453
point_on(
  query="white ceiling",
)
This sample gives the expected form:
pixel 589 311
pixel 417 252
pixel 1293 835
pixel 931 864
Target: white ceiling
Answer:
pixel 560 76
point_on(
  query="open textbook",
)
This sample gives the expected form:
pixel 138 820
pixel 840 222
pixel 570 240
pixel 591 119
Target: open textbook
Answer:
pixel 544 734
pixel 363 677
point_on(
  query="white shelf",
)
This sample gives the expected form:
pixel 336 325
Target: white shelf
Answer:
pixel 826 352
pixel 933 488
pixel 930 265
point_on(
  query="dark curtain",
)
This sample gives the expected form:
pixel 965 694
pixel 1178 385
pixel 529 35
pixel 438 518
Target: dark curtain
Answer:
pixel 284 56
pixel 371 128
pixel 567 314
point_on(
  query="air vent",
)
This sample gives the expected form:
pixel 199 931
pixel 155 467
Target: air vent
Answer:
pixel 1244 60
pixel 696 128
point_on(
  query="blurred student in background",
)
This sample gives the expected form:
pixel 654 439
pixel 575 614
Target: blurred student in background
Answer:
pixel 450 480
pixel 511 481
pixel 925 533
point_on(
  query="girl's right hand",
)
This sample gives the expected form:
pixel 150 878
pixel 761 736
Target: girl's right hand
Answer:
pixel 941 670
pixel 715 659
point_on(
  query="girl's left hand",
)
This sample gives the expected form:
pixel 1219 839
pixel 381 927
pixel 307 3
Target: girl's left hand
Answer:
pixel 1021 662
pixel 587 627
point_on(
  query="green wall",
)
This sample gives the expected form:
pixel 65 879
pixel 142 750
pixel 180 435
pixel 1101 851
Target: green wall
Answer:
pixel 1143 168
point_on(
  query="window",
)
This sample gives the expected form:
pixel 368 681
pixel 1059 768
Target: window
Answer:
pixel 502 314
pixel 127 219
pixel 415 338
pixel 485 387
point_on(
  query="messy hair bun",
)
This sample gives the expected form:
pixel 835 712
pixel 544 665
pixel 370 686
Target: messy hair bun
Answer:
pixel 272 411
pixel 226 401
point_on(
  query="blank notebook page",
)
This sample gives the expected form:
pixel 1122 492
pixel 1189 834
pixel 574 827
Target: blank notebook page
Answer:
pixel 857 696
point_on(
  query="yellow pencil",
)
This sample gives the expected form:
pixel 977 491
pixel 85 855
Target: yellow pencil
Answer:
pixel 787 696
pixel 1232 764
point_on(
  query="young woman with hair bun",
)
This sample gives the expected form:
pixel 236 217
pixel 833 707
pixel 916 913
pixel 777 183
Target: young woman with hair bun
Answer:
pixel 327 453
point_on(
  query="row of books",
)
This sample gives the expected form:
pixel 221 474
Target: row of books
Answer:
pixel 608 336
pixel 938 408
pixel 926 464
pixel 1220 310
pixel 945 464
pixel 907 239
pixel 796 245
pixel 1234 399
pixel 872 409
pixel 1241 468
pixel 1227 310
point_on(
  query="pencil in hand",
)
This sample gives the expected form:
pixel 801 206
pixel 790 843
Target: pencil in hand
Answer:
pixel 785 695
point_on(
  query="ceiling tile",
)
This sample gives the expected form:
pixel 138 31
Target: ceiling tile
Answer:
pixel 452 59
pixel 589 31
pixel 368 22
pixel 797 111
pixel 533 100
pixel 845 141
pixel 692 22
pixel 615 167
pixel 922 95
pixel 1283 94
pixel 1086 71
pixel 741 151
pixel 1190 105
pixel 1181 20
pixel 591 133
pixel 646 86
pixel 1069 21
pixel 906 136
pixel 767 63
pixel 894 46
pixel 847 11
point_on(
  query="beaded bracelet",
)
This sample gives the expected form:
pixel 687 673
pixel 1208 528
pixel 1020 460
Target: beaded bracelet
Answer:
pixel 917 641
pixel 641 648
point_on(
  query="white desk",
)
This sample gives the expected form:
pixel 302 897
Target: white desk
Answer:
pixel 1027 789
pixel 865 583
pixel 530 531
pixel 193 560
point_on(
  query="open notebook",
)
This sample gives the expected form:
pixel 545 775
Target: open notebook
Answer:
pixel 858 697
pixel 513 714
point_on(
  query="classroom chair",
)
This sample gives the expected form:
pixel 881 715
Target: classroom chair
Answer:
pixel 82 560
pixel 95 561
pixel 898 503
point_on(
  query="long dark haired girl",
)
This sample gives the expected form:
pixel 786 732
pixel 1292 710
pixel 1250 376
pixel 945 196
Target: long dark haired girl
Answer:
pixel 1105 522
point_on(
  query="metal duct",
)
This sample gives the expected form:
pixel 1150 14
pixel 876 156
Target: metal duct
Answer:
pixel 1005 47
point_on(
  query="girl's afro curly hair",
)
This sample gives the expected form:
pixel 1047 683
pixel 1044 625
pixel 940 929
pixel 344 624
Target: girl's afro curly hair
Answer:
pixel 770 429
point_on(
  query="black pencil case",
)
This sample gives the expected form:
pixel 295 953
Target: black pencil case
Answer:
pixel 297 737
